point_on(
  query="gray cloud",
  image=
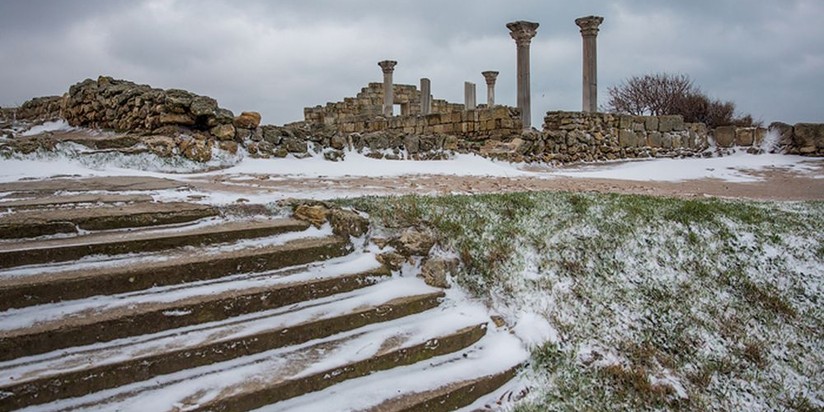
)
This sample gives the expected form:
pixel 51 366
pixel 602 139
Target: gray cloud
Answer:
pixel 278 56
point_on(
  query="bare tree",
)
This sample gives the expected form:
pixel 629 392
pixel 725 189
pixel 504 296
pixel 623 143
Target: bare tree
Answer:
pixel 666 94
pixel 651 94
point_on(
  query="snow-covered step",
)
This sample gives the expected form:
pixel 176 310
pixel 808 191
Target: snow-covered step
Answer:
pixel 82 370
pixel 70 200
pixel 92 184
pixel 261 379
pixel 29 286
pixel 44 328
pixel 444 383
pixel 32 252
pixel 34 223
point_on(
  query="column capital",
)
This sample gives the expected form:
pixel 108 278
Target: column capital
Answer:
pixel 490 76
pixel 589 25
pixel 522 31
pixel 388 66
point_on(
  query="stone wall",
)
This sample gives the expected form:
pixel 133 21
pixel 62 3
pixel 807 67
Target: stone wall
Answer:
pixel 805 139
pixel 497 121
pixel 578 136
pixel 39 109
pixel 369 102
pixel 728 136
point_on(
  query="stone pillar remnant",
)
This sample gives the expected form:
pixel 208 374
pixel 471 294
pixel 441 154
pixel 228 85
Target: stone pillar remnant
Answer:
pixel 523 32
pixel 469 96
pixel 388 66
pixel 490 77
pixel 589 32
pixel 426 96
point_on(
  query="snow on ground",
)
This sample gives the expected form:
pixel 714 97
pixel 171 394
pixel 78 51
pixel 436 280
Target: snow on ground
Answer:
pixel 53 126
pixel 738 167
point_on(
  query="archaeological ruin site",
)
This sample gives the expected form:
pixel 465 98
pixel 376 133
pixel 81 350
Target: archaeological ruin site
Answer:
pixel 177 122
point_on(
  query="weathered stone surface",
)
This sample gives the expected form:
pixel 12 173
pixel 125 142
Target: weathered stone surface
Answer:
pixel 334 155
pixel 338 142
pixel 162 146
pixel 744 136
pixel 809 137
pixel 203 106
pixel 229 146
pixel 654 139
pixel 314 214
pixel 348 223
pixel 724 136
pixel 198 150
pixel 248 120
pixel 670 123
pixel 294 145
pixel 223 132
pixel 434 271
pixel 176 119
pixel 785 133
pixel 627 138
pixel 413 241
pixel 392 260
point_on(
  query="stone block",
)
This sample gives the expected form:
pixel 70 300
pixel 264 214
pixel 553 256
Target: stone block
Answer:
pixel 670 123
pixel 651 123
pixel 654 139
pixel 625 121
pixel 724 136
pixel 744 136
pixel 627 138
pixel 809 135
pixel 785 133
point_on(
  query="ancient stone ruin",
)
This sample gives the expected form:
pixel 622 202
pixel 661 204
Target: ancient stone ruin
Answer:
pixel 176 122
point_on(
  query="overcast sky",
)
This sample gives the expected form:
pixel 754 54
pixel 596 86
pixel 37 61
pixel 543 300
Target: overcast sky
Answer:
pixel 279 56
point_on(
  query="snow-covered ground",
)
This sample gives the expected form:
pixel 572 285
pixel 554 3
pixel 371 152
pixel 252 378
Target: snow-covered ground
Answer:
pixel 738 167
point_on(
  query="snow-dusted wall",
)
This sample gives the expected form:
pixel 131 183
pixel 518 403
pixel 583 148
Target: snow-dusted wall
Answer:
pixel 579 136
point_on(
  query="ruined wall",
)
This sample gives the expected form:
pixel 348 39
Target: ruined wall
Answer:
pixel 579 136
pixel 39 109
pixel 469 124
pixel 806 139
pixel 369 102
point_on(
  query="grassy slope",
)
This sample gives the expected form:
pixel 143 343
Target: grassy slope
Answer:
pixel 657 303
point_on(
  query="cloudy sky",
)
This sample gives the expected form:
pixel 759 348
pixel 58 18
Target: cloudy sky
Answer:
pixel 278 56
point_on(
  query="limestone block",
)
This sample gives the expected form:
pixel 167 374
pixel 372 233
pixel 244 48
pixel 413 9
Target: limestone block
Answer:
pixel 784 131
pixel 638 127
pixel 809 136
pixel 625 121
pixel 654 139
pixel 627 138
pixel 177 119
pixel 223 132
pixel 248 120
pixel 724 136
pixel 678 140
pixel 651 123
pixel 670 123
pixel 744 136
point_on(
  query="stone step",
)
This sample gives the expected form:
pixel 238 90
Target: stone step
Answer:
pixel 70 200
pixel 34 223
pixel 262 379
pixel 91 184
pixel 111 243
pixel 45 328
pixel 49 284
pixel 445 383
pixel 84 370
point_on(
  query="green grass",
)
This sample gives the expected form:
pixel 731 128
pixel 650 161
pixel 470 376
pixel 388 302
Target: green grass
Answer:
pixel 721 296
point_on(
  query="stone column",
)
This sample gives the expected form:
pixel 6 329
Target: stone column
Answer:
pixel 469 96
pixel 523 32
pixel 388 66
pixel 589 31
pixel 490 87
pixel 426 96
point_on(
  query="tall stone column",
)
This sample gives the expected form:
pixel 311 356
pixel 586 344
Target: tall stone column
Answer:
pixel 388 66
pixel 490 87
pixel 469 96
pixel 523 32
pixel 426 96
pixel 589 32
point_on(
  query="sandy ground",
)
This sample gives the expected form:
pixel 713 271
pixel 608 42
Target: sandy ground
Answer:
pixel 775 185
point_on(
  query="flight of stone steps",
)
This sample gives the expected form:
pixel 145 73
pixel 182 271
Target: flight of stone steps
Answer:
pixel 111 301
